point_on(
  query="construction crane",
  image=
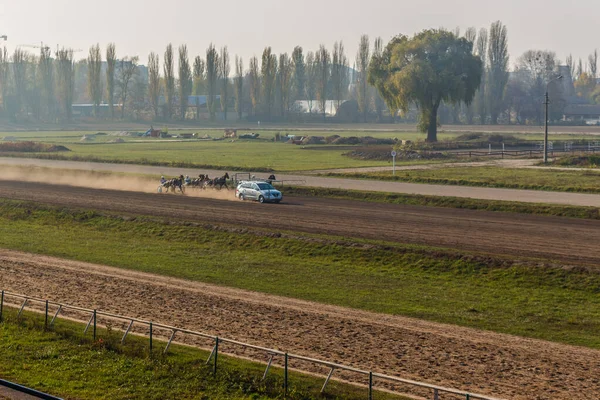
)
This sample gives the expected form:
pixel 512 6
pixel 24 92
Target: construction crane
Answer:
pixel 34 46
pixel 46 48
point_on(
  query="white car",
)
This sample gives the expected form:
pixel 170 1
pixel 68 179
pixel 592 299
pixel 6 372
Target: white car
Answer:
pixel 260 191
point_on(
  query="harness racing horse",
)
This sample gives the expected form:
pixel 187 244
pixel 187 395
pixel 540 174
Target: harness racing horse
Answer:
pixel 199 181
pixel 218 183
pixel 173 184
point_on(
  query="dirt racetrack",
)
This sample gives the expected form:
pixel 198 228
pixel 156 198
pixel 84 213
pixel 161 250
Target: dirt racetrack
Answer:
pixel 573 241
pixel 499 365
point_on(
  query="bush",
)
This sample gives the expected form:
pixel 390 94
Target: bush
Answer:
pixel 31 147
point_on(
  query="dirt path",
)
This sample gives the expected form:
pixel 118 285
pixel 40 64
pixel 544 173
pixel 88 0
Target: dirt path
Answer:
pixel 567 240
pixel 478 361
pixel 512 163
pixel 528 196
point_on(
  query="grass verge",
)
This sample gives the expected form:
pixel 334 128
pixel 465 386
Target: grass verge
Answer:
pixel 65 362
pixel 448 202
pixel 522 298
pixel 580 161
pixel 512 178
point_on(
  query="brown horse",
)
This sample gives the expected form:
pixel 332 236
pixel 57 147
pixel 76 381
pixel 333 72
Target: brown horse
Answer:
pixel 218 183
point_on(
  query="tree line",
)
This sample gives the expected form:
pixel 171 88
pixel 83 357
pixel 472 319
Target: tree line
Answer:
pixel 44 86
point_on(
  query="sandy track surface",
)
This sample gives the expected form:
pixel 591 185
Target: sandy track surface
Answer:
pixel 478 361
pixel 557 239
pixel 527 196
pixel 512 163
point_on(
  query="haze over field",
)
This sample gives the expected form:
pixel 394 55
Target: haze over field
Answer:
pixel 141 26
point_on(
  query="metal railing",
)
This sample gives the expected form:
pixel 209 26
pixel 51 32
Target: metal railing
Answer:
pixel 94 314
pixel 523 153
pixel 27 390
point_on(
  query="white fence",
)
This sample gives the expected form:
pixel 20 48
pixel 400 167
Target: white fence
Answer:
pixel 43 306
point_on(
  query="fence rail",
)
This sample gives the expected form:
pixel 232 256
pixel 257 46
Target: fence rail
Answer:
pixel 522 153
pixel 94 314
pixel 27 390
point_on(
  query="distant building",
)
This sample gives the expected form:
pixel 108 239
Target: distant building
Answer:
pixel 589 113
pixel 87 110
pixel 314 107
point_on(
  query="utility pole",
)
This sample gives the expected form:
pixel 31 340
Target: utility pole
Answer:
pixel 546 103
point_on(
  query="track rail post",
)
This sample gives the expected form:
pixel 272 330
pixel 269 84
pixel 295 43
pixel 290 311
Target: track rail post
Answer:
pixel 95 325
pixel 22 307
pixel 210 356
pixel 126 332
pixel 216 355
pixel 327 380
pixel 370 385
pixel 150 338
pixel 55 315
pixel 88 324
pixel 1 305
pixel 268 366
pixel 285 375
pixel 46 317
pixel 436 394
pixel 169 342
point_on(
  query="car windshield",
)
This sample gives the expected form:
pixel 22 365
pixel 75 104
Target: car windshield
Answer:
pixel 265 186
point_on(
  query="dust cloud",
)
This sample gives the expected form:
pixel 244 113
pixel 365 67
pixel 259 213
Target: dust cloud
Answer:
pixel 103 180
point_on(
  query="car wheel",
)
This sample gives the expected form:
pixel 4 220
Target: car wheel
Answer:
pixel 241 197
pixel 261 199
pixel 277 201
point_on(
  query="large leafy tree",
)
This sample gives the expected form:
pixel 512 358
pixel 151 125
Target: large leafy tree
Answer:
pixel 432 67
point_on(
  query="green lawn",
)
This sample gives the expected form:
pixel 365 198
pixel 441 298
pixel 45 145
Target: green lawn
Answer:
pixel 257 155
pixel 514 297
pixel 449 202
pixel 517 178
pixel 66 363
pixel 241 154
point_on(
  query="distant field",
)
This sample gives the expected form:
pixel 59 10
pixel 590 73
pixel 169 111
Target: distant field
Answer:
pixel 260 154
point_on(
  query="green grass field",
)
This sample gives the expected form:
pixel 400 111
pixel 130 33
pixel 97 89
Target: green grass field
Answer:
pixel 517 297
pixel 258 155
pixel 516 178
pixel 64 362
pixel 449 202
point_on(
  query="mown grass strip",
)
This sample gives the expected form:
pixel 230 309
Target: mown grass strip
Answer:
pixel 448 202
pixel 522 298
pixel 65 362
pixel 510 178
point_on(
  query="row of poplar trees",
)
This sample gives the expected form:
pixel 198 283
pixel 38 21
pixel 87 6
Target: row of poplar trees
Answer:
pixel 43 86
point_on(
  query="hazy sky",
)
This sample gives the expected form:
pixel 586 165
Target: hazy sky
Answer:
pixel 246 27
